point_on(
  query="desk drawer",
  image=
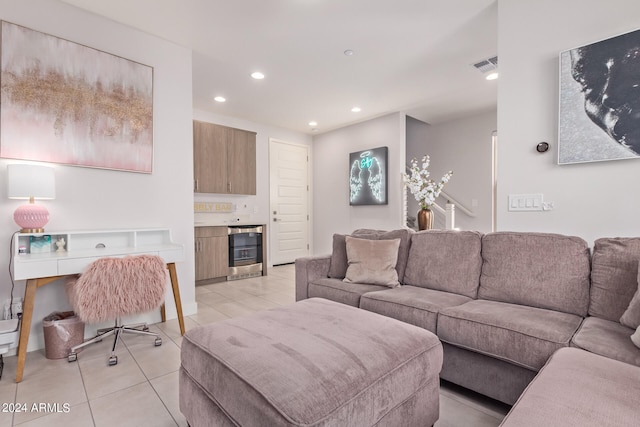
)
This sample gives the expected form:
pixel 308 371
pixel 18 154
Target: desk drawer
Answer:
pixel 78 265
pixel 74 266
pixel 31 270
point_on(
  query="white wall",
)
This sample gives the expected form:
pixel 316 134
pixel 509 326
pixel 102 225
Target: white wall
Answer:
pixel 463 146
pixel 591 200
pixel 332 212
pixel 250 209
pixel 102 199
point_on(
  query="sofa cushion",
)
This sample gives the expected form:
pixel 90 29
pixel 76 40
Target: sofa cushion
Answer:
pixel 372 261
pixel 445 260
pixel 536 269
pixel 607 338
pixel 339 264
pixel 339 291
pixel 417 306
pixel 577 388
pixel 525 336
pixel 631 316
pixel 614 276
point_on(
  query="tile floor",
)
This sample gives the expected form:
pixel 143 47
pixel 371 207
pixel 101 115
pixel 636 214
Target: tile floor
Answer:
pixel 142 389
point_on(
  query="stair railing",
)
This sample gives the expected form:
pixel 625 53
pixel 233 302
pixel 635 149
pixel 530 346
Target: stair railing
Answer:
pixel 449 211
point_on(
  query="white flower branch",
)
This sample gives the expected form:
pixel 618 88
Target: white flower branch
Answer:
pixel 424 189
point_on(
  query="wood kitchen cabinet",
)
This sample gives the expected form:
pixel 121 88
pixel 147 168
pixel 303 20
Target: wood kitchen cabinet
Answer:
pixel 224 159
pixel 211 253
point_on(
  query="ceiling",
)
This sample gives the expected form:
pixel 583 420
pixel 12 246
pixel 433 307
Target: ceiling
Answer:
pixel 413 56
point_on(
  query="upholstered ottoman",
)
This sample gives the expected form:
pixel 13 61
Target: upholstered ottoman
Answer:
pixel 312 363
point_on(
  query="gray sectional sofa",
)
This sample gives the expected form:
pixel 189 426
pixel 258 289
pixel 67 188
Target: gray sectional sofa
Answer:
pixel 501 303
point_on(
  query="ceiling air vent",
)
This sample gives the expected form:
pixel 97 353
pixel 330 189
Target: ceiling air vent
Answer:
pixel 486 65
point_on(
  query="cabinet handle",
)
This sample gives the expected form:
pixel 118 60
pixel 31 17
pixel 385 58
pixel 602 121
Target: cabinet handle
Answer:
pixel 229 186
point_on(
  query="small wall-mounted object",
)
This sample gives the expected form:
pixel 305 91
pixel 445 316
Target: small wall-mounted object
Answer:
pixel 542 147
pixel 525 202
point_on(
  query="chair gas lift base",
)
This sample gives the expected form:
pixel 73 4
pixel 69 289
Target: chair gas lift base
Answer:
pixel 118 329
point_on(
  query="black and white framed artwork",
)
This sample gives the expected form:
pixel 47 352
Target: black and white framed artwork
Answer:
pixel 600 101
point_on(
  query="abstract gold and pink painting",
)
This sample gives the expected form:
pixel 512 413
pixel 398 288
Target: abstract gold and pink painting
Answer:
pixel 63 102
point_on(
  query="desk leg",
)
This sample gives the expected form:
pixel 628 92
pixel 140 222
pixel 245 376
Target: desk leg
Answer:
pixel 25 327
pixel 176 296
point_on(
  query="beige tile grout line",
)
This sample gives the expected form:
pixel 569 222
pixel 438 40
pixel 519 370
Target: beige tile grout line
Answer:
pixel 149 379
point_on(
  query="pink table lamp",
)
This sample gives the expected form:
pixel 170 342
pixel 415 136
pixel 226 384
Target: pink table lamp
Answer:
pixel 30 182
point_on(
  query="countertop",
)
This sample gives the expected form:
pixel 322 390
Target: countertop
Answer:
pixel 228 224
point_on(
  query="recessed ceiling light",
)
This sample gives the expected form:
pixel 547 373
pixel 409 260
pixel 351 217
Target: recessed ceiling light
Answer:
pixel 257 75
pixel 356 109
pixel 313 123
pixel 492 76
pixel 348 52
pixel 220 99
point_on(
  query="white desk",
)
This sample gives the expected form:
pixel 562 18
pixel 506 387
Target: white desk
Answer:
pixel 81 249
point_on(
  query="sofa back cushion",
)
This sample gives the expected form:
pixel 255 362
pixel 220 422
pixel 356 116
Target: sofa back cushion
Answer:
pixel 536 269
pixel 339 264
pixel 614 276
pixel 445 260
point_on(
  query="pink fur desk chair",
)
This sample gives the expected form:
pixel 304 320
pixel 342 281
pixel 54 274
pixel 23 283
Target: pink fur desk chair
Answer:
pixel 114 287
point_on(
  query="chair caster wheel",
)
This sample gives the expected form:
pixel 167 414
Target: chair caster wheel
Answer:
pixel 158 342
pixel 145 328
pixel 113 360
pixel 72 357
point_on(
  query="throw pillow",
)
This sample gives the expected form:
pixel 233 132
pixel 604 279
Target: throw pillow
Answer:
pixel 338 265
pixel 635 338
pixel 372 261
pixel 631 317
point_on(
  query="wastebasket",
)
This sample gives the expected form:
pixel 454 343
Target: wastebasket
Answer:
pixel 62 330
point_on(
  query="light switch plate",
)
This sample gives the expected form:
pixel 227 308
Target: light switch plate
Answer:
pixel 525 202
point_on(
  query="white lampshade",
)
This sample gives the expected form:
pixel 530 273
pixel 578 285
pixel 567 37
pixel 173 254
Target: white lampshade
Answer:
pixel 26 181
pixel 31 182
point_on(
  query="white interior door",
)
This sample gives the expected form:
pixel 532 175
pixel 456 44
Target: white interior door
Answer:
pixel 289 200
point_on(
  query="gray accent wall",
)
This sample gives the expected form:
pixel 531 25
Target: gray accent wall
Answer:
pixel 464 146
pixel 591 200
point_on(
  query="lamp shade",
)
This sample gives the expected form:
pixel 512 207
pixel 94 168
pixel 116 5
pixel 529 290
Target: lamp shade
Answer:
pixel 26 181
